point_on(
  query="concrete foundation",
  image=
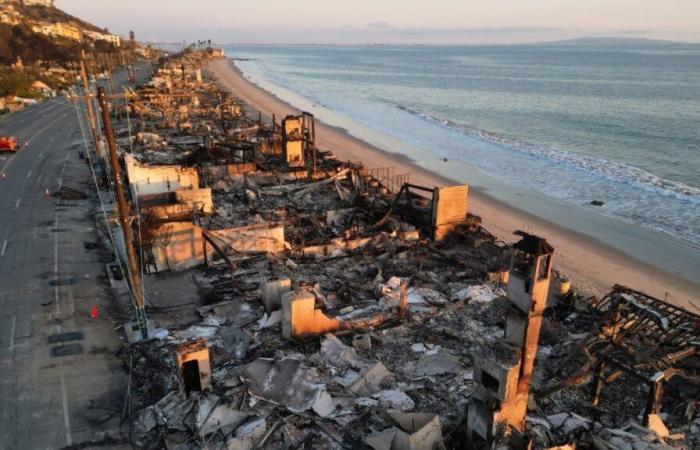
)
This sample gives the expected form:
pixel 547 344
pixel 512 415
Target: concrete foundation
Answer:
pixel 133 333
pixel 479 424
pixel 502 385
pixel 450 207
pixel 301 319
pixel 516 325
pixel 177 246
pixel 146 179
pixel 258 238
pixel 271 293
pixel 194 368
pixel 496 380
pixel 223 170
pixel 196 199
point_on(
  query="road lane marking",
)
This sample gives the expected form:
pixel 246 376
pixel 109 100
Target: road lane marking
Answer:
pixel 41 154
pixel 55 266
pixel 66 418
pixel 67 155
pixel 19 200
pixel 64 399
pixel 29 174
pixel 7 164
pixel 12 333
pixel 60 183
pixel 72 302
pixel 4 247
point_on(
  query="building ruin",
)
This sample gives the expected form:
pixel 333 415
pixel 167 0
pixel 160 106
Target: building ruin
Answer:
pixel 305 302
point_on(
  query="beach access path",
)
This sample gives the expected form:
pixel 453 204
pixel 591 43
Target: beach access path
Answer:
pixel 591 265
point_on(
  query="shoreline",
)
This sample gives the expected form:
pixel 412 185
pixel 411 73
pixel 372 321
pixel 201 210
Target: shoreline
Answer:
pixel 592 265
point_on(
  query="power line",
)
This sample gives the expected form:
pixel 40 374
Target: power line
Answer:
pixel 102 206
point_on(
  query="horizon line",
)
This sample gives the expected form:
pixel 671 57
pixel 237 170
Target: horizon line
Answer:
pixel 582 40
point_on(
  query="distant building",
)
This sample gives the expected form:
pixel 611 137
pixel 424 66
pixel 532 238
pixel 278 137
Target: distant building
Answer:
pixel 113 38
pixel 47 3
pixel 60 30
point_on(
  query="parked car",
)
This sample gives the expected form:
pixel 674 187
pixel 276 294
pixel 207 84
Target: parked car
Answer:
pixel 8 144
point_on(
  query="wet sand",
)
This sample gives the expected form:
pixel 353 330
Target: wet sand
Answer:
pixel 591 265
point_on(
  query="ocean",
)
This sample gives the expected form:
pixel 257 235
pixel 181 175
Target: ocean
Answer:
pixel 618 124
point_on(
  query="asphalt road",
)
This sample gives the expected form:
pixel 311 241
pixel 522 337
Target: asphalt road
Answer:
pixel 60 383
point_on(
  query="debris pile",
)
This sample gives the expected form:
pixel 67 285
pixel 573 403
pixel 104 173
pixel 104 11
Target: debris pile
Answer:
pixel 307 302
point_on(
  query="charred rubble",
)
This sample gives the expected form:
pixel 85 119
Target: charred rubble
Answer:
pixel 299 301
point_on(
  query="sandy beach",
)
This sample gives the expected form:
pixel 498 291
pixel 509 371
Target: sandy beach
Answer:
pixel 591 265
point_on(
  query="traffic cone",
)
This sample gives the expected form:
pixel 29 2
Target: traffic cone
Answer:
pixel 93 312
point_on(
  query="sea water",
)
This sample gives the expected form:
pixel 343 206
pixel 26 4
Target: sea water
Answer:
pixel 619 124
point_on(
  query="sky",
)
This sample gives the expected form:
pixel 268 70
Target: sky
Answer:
pixel 391 21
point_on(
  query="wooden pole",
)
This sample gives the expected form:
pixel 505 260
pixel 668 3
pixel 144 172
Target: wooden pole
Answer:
pixel 222 98
pixel 91 113
pixel 132 48
pixel 93 98
pixel 124 216
pixel 403 300
pixel 111 88
pixel 313 142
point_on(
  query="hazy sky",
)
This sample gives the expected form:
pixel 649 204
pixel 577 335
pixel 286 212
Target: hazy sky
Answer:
pixel 391 21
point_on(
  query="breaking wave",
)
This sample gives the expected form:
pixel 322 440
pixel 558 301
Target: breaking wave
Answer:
pixel 611 170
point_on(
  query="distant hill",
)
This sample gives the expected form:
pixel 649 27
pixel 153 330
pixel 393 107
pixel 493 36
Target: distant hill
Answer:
pixel 37 33
pixel 613 41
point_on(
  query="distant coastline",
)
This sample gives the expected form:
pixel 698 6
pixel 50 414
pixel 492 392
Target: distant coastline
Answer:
pixel 615 41
pixel 601 41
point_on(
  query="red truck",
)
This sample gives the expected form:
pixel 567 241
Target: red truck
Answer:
pixel 8 144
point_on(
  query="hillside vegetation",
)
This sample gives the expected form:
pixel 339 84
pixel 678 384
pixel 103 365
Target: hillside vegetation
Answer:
pixel 54 15
pixel 20 41
pixel 18 83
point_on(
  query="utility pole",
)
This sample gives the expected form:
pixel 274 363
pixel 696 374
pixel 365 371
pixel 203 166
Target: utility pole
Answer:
pixel 222 99
pixel 132 48
pixel 91 113
pixel 111 88
pixel 124 216
pixel 93 98
pixel 313 144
